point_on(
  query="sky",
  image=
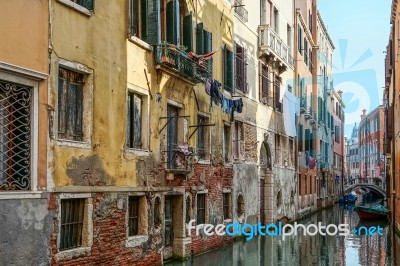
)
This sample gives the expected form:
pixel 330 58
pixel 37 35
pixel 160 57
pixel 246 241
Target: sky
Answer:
pixel 360 31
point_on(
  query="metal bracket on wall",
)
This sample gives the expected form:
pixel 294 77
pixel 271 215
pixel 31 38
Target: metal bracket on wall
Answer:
pixel 170 118
pixel 197 126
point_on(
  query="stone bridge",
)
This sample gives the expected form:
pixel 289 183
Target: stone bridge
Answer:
pixel 377 189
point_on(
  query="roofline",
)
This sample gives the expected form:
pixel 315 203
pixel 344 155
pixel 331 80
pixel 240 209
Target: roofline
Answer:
pixel 325 30
pixel 371 113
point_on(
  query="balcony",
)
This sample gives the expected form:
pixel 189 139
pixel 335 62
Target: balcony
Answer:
pixel 273 48
pixel 170 58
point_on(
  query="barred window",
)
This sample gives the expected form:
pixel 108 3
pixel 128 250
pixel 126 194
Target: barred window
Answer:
pixel 133 222
pixel 15 136
pixel 241 68
pixel 201 208
pixel 201 136
pixel 70 105
pixel 240 206
pixel 72 215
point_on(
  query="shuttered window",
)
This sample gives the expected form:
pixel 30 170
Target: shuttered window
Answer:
pixel 300 40
pixel 277 92
pixel 306 51
pixel 134 121
pixel 70 105
pixel 188 32
pixel 300 140
pixel 173 22
pixel 228 69
pixel 308 140
pixel 241 68
pixel 264 82
pixel 133 222
pixel 204 43
pixel 144 20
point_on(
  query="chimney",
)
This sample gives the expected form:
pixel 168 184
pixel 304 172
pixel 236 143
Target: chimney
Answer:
pixel 364 113
pixel 340 93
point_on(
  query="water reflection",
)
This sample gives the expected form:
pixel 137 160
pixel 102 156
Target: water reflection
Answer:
pixel 311 250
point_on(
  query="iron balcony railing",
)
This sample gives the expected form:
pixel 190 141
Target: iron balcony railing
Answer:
pixel 269 41
pixel 193 68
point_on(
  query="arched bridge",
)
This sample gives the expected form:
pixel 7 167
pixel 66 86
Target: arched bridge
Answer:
pixel 377 189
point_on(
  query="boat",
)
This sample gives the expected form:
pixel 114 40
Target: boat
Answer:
pixel 350 198
pixel 376 212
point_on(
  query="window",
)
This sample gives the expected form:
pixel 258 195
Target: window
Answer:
pixel 264 83
pixel 289 38
pixel 276 20
pixel 227 143
pixel 188 203
pixel 201 208
pixel 277 149
pixel 277 94
pixel 144 21
pixel 228 69
pixel 202 136
pixel 204 43
pixel 134 123
pixel 133 220
pixel 337 135
pixel 157 212
pixel 72 218
pixel 279 200
pixel 226 205
pixel 70 105
pixel 240 206
pixel 300 138
pixel 306 51
pixel 15 136
pixel 88 4
pixel 300 39
pixel 238 140
pixel 241 68
pixel 172 135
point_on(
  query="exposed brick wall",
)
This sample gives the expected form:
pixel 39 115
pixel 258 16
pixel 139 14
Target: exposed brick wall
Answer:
pixel 109 235
pixel 250 143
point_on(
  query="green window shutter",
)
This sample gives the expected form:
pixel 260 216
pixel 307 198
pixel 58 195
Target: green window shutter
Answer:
pixel 199 39
pixel 150 21
pixel 133 17
pixel 188 32
pixel 173 22
pixel 300 134
pixel 88 4
pixel 208 46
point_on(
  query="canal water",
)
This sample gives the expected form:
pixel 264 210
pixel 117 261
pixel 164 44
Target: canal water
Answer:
pixel 310 250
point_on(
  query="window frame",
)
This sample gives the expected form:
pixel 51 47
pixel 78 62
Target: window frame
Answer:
pixel 72 4
pixel 16 77
pixel 201 197
pixel 87 121
pixel 226 205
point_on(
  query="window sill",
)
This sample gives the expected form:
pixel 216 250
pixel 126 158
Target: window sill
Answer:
pixel 72 253
pixel 141 43
pixel 134 241
pixel 138 152
pixel 201 161
pixel 74 144
pixel 77 7
pixel 20 195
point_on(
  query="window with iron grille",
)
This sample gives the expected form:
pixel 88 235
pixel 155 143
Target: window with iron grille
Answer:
pixel 134 123
pixel 238 140
pixel 201 136
pixel 264 83
pixel 15 136
pixel 201 208
pixel 88 4
pixel 72 217
pixel 227 205
pixel 133 220
pixel 241 68
pixel 70 105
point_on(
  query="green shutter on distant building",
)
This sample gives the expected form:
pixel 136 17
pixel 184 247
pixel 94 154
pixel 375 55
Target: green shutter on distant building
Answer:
pixel 173 23
pixel 188 32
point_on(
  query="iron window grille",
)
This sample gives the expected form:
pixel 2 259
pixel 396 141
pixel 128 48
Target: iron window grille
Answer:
pixel 70 105
pixel 15 136
pixel 240 206
pixel 72 216
pixel 133 222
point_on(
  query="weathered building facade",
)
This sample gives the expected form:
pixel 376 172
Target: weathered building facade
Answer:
pixel 353 157
pixel 335 183
pixel 25 217
pixel 371 137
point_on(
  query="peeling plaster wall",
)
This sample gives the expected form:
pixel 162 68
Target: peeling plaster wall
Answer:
pixel 26 226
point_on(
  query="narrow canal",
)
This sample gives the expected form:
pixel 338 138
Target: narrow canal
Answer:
pixel 311 250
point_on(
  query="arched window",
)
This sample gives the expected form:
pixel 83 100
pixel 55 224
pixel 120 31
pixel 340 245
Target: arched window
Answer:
pixel 265 157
